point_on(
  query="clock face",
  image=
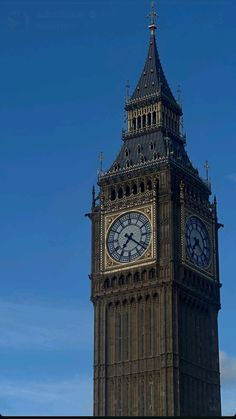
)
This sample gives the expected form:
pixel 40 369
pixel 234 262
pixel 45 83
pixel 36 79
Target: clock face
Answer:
pixel 129 237
pixel 198 242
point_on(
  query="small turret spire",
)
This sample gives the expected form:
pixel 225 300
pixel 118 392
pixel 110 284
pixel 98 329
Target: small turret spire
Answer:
pixel 153 15
pixel 93 197
pixel 179 99
pixel 207 167
pixel 101 158
pixel 127 89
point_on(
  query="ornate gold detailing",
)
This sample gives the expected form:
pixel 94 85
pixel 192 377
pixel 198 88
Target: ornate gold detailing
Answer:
pixel 149 255
pixel 209 269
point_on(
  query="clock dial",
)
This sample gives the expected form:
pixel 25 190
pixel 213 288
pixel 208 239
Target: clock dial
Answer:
pixel 198 242
pixel 129 237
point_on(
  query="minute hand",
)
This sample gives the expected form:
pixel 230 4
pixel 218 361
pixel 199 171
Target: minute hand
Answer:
pixel 140 244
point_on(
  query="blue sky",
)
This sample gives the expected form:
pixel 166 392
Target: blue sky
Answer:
pixel 64 66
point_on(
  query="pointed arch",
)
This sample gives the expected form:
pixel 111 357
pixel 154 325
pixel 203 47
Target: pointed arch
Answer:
pixel 127 190
pixel 120 193
pixel 149 185
pixel 144 121
pixel 136 277
pixel 154 118
pixel 152 273
pixel 113 195
pixel 134 189
pixel 139 122
pixel 142 187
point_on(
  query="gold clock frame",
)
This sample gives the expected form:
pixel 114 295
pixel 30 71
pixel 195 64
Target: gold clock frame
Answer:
pixel 148 256
pixel 209 268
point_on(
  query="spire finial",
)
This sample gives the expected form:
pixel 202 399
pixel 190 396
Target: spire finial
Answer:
pixel 127 86
pixel 207 167
pixel 179 92
pixel 93 197
pixel 101 158
pixel 153 15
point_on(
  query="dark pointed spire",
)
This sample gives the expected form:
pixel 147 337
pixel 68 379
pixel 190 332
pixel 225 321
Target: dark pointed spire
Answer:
pixel 153 81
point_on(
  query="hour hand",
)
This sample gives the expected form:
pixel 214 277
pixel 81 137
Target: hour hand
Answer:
pixel 196 243
pixel 129 237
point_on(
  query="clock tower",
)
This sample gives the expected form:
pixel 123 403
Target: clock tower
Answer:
pixel 155 268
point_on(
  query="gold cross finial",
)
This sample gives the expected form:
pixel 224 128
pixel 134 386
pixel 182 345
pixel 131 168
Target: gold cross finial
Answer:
pixel 153 15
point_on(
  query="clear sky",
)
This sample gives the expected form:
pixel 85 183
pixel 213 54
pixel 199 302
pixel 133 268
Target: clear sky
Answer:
pixel 63 70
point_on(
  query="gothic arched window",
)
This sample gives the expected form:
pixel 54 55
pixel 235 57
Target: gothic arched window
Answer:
pixel 136 277
pixel 154 118
pixel 113 195
pixel 139 122
pixel 142 188
pixel 144 121
pixel 149 185
pixel 127 191
pixel 113 281
pixel 120 193
pixel 135 189
pixel 106 283
pixel 128 278
pixel 121 280
pixel 144 275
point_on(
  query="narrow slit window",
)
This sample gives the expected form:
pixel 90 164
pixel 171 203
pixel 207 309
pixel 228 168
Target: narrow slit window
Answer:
pixel 120 193
pixel 144 121
pixel 113 195
pixel 154 118
pixel 135 189
pixel 139 122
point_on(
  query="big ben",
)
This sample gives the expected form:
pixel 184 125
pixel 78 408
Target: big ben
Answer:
pixel 155 283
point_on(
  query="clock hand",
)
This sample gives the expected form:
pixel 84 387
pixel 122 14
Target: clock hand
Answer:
pixel 129 237
pixel 196 243
pixel 140 244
